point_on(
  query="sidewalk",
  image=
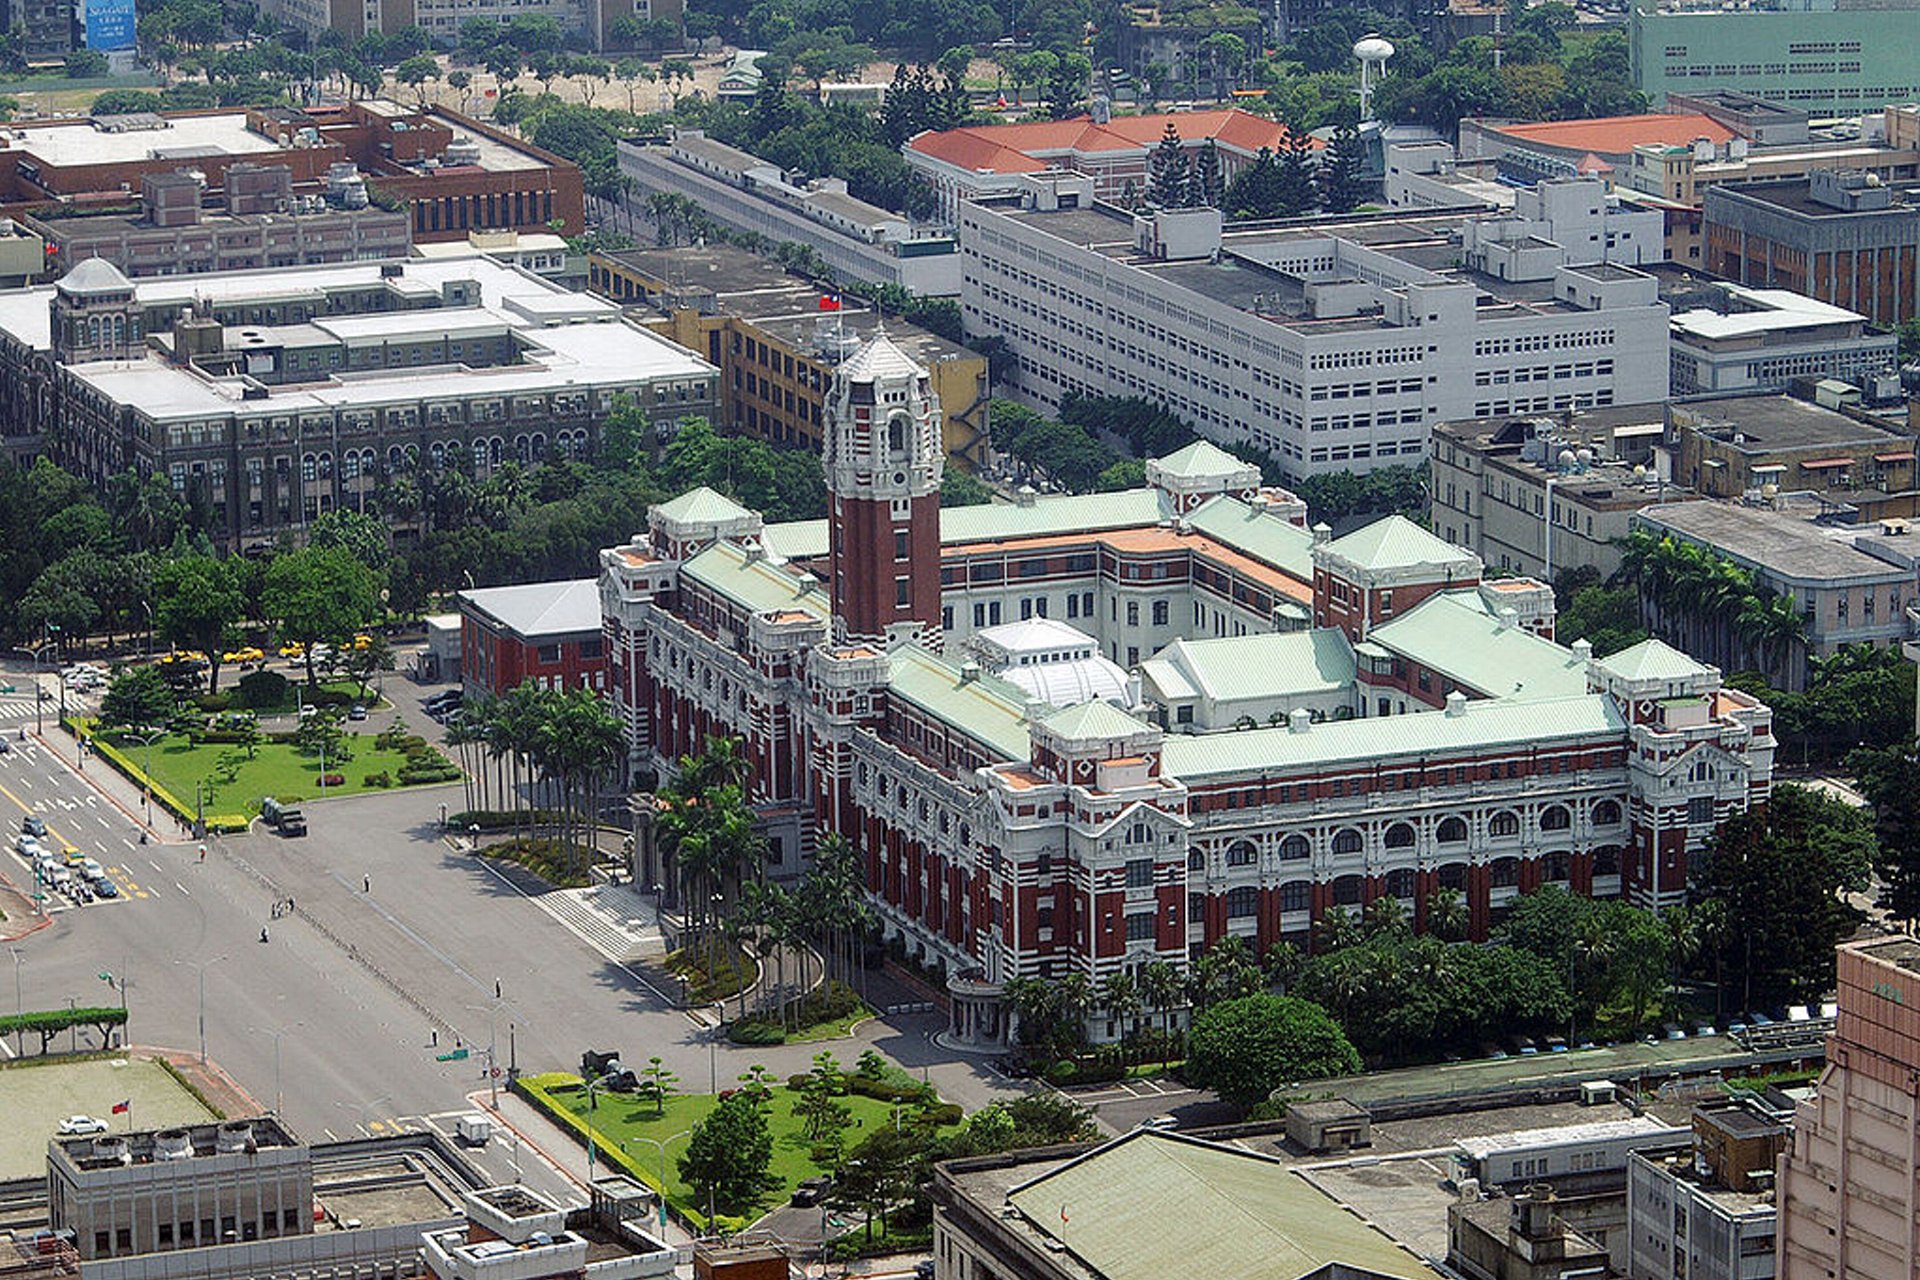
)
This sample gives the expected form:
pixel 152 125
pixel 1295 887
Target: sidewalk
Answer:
pixel 220 1090
pixel 118 790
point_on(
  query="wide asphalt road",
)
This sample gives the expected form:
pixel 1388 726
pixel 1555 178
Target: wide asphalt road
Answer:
pixel 391 958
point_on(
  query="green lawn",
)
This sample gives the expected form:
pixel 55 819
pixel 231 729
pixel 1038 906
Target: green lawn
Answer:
pixel 276 769
pixel 621 1122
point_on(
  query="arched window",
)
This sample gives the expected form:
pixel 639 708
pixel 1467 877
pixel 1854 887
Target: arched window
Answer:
pixel 1400 884
pixel 326 466
pixel 897 428
pixel 1294 848
pixel 1451 831
pixel 496 451
pixel 1240 854
pixel 437 455
pixel 1505 873
pixel 1606 862
pixel 1555 818
pixel 1606 813
pixel 394 457
pixel 1557 867
pixel 1347 891
pixel 1347 840
pixel 1400 836
pixel 1296 895
pixel 479 455
pixel 1196 860
pixel 1242 902
pixel 1453 875
pixel 1504 823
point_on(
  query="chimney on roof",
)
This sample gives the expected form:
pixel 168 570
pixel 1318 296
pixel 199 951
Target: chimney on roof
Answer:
pixel 1456 703
pixel 969 671
pixel 755 552
pixel 1583 649
pixel 1299 720
pixel 1322 532
pixel 1509 618
pixel 1024 495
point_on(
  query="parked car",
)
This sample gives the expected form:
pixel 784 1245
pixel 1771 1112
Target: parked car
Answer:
pixel 358 711
pixel 106 888
pixel 80 1125
pixel 33 825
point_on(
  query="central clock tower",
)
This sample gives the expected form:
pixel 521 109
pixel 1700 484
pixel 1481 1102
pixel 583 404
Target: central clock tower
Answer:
pixel 883 459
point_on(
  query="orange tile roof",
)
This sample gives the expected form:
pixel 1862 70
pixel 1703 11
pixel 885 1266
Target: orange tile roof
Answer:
pixel 1017 148
pixel 1617 135
pixel 1151 539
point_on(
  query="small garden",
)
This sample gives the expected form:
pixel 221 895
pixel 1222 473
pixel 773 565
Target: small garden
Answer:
pixel 558 863
pixel 828 1012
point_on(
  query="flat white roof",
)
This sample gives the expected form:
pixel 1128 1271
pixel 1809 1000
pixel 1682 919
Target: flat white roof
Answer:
pixel 1567 1135
pixel 1777 309
pixel 600 350
pixel 225 133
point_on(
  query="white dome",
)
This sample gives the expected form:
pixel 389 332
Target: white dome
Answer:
pixel 1373 48
pixel 1070 683
pixel 95 275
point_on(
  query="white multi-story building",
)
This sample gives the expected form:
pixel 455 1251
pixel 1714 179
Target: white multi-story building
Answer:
pixel 1336 347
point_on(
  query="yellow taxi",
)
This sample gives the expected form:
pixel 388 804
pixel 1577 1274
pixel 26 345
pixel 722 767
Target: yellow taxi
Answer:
pixel 293 651
pixel 362 641
pixel 248 654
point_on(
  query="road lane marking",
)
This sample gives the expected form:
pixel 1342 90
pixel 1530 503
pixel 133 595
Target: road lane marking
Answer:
pixel 24 809
pixel 182 888
pixel 155 866
pixel 126 842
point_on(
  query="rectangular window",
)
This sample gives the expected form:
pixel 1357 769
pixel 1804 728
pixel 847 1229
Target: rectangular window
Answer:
pixel 1159 613
pixel 1700 810
pixel 1133 613
pixel 1140 926
pixel 1140 873
pixel 900 544
pixel 901 591
pixel 548 653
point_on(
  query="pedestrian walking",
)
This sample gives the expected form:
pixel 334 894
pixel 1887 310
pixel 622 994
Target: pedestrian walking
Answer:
pixel 203 853
pixel 263 933
pixel 435 1033
pixel 289 906
pixel 366 884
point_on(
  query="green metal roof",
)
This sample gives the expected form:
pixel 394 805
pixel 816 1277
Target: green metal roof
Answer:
pixel 1064 513
pixel 988 522
pixel 756 585
pixel 1653 660
pixel 1397 542
pixel 699 505
pixel 1201 459
pixel 1267 538
pixel 1267 665
pixel 1152 1205
pixel 1093 720
pixel 986 708
pixel 1453 633
pixel 1484 724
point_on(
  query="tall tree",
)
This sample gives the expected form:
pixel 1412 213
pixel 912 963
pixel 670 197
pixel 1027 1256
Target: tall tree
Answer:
pixel 1890 779
pixel 1342 181
pixel 199 600
pixel 319 595
pixel 729 1156
pixel 138 698
pixel 1245 1049
pixel 1167 171
pixel 1208 187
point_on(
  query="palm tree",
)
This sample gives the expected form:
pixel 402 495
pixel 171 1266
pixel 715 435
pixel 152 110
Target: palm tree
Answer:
pixel 1163 990
pixel 1120 997
pixel 1384 917
pixel 1337 929
pixel 1077 999
pixel 1447 915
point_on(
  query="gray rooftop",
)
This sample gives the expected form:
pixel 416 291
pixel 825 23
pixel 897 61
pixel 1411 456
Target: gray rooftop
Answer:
pixel 1784 545
pixel 1771 423
pixel 537 609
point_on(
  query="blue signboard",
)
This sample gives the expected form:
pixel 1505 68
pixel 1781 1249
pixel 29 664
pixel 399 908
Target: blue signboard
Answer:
pixel 110 24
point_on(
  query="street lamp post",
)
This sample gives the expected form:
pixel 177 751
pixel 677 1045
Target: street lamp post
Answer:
pixel 146 741
pixel 148 607
pixel 276 1033
pixel 661 1145
pixel 200 967
pixel 39 695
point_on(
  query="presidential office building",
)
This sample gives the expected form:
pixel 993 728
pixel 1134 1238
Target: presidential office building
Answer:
pixel 1336 346
pixel 1079 734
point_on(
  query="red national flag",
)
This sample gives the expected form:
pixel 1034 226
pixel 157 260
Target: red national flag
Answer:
pixel 829 302
pixel 1063 1213
pixel 121 1108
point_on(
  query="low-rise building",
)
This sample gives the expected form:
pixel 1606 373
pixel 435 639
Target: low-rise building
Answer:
pixel 1523 1238
pixel 1736 446
pixel 1706 1211
pixel 858 241
pixel 515 1233
pixel 260 222
pixel 546 632
pixel 997 161
pixel 1830 57
pixel 1541 495
pixel 776 347
pixel 275 395
pixel 1845 237
pixel 1847 593
pixel 1146 1205
pixel 1740 341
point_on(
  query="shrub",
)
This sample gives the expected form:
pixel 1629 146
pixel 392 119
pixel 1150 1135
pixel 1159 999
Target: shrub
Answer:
pixel 799 1082
pixel 753 1031
pixel 887 1090
pixel 943 1113
pixel 222 735
pixel 380 779
pixel 213 701
pixel 259 689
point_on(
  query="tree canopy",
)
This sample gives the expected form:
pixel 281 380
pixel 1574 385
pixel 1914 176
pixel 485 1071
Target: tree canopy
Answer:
pixel 1245 1049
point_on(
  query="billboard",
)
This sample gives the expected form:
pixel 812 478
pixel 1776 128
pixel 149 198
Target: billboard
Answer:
pixel 110 24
